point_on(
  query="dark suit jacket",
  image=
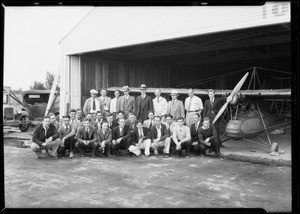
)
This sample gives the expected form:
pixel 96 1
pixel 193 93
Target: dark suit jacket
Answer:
pixel 92 135
pixel 142 107
pixel 104 137
pixel 212 111
pixel 194 132
pixel 39 134
pixel 135 135
pixel 116 133
pixel 209 133
pixel 113 125
pixel 164 132
pixel 129 125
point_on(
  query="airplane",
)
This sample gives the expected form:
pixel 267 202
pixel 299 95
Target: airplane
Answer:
pixel 251 118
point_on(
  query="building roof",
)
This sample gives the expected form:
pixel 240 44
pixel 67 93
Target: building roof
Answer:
pixel 110 27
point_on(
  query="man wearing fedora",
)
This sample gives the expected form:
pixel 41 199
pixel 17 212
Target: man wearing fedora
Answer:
pixel 143 104
pixel 93 104
pixel 175 106
pixel 126 103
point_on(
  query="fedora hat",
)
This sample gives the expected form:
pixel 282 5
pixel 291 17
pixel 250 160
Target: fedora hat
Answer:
pixel 143 86
pixel 174 92
pixel 125 88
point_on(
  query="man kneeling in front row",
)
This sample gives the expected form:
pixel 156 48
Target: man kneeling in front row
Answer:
pixel 208 138
pixel 45 137
pixel 104 140
pixel 141 139
pixel 67 136
pixel 86 138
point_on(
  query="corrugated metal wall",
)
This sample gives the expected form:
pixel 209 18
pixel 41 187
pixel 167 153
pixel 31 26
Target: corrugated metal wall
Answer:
pixel 102 73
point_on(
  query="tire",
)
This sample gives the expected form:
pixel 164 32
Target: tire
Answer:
pixel 24 124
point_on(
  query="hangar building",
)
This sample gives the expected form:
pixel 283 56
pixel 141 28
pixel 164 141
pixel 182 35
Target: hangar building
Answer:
pixel 172 47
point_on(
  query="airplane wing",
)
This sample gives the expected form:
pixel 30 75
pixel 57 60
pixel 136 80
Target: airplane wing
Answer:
pixel 263 93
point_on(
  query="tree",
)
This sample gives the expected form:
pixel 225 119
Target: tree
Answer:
pixel 37 86
pixel 49 80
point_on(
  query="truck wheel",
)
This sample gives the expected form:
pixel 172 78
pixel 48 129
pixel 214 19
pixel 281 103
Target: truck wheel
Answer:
pixel 24 124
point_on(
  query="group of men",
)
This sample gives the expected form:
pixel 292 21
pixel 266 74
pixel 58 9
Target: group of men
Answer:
pixel 106 126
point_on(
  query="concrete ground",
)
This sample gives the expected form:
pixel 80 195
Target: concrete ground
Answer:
pixel 138 182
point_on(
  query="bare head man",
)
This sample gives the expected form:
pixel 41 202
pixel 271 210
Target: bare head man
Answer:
pixel 211 93
pixel 66 120
pixel 157 92
pixel 46 121
pixel 206 123
pixel 196 118
pixel 157 120
pixel 103 92
pixel 122 122
pixel 180 121
pixel 190 92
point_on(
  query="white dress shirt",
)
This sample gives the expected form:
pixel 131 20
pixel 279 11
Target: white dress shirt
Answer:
pixel 158 132
pixel 196 104
pixel 113 105
pixel 97 105
pixel 160 106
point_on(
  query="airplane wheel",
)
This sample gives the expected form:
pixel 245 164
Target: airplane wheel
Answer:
pixel 24 124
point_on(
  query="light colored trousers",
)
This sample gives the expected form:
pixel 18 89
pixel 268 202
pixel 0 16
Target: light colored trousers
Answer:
pixel 51 147
pixel 165 143
pixel 144 145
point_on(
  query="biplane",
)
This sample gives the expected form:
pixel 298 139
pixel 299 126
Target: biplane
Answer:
pixel 247 115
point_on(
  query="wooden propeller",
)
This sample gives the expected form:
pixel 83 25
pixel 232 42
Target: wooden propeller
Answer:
pixel 231 96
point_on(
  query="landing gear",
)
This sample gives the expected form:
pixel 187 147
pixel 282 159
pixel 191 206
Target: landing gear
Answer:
pixel 24 124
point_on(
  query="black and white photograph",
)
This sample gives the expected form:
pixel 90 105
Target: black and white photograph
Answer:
pixel 148 106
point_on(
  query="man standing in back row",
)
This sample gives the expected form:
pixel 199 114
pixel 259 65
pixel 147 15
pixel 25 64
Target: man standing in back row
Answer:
pixel 143 104
pixel 93 104
pixel 212 107
pixel 126 103
pixel 193 105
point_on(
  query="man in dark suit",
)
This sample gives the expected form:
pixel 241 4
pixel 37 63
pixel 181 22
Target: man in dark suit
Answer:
pixel 104 140
pixel 86 138
pixel 121 137
pixel 66 135
pixel 212 107
pixel 160 137
pixel 143 104
pixel 111 123
pixel 141 138
pixel 45 136
pixel 131 122
pixel 194 134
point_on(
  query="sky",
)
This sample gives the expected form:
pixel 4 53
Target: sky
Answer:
pixel 31 42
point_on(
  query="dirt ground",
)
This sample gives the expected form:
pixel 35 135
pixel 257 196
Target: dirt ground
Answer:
pixel 138 182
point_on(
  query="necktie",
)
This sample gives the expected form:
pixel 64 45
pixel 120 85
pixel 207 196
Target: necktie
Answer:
pixel 180 129
pixel 158 99
pixel 141 135
pixel 150 124
pixel 87 134
pixel 67 127
pixel 173 102
pixel 212 102
pixel 196 126
pixel 46 129
pixel 189 107
pixel 121 131
pixel 94 104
